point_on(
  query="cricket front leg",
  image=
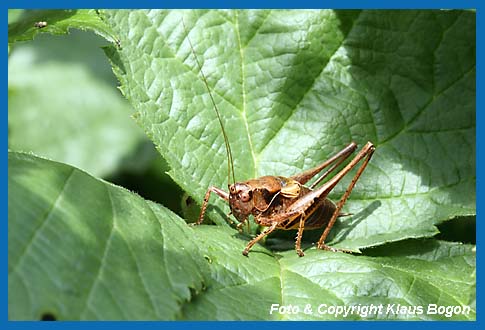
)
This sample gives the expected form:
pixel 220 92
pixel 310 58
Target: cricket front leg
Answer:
pixel 240 225
pixel 273 222
pixel 259 237
pixel 366 153
pixel 219 192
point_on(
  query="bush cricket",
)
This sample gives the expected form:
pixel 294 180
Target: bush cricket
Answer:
pixel 278 202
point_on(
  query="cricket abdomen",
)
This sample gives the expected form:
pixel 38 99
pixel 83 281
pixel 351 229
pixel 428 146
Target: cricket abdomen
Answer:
pixel 321 216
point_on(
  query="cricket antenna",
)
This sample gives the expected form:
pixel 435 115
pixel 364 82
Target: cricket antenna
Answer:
pixel 230 164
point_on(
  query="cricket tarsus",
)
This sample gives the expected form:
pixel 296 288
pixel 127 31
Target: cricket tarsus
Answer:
pixel 278 202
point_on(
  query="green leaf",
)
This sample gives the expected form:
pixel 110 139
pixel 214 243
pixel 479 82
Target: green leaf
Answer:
pixel 58 22
pixel 63 104
pixel 294 87
pixel 82 248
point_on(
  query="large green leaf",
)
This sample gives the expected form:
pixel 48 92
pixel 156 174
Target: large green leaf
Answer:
pixel 82 248
pixel 294 87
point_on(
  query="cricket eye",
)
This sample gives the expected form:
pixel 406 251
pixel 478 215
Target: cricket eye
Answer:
pixel 245 196
pixel 232 189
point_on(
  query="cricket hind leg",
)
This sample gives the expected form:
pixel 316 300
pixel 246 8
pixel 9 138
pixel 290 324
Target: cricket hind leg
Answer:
pixel 336 160
pixel 366 154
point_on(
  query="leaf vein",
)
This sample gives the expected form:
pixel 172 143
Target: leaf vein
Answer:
pixel 42 222
pixel 244 101
pixel 106 247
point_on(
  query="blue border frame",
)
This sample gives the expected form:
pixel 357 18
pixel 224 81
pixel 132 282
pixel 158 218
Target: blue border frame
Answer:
pixel 354 4
pixel 400 4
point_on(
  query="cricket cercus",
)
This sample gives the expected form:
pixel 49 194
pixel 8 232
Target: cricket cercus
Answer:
pixel 278 202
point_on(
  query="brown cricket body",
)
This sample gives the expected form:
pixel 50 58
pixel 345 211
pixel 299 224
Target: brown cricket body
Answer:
pixel 278 202
pixel 269 196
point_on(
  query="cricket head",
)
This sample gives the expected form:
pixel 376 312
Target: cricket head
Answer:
pixel 241 200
